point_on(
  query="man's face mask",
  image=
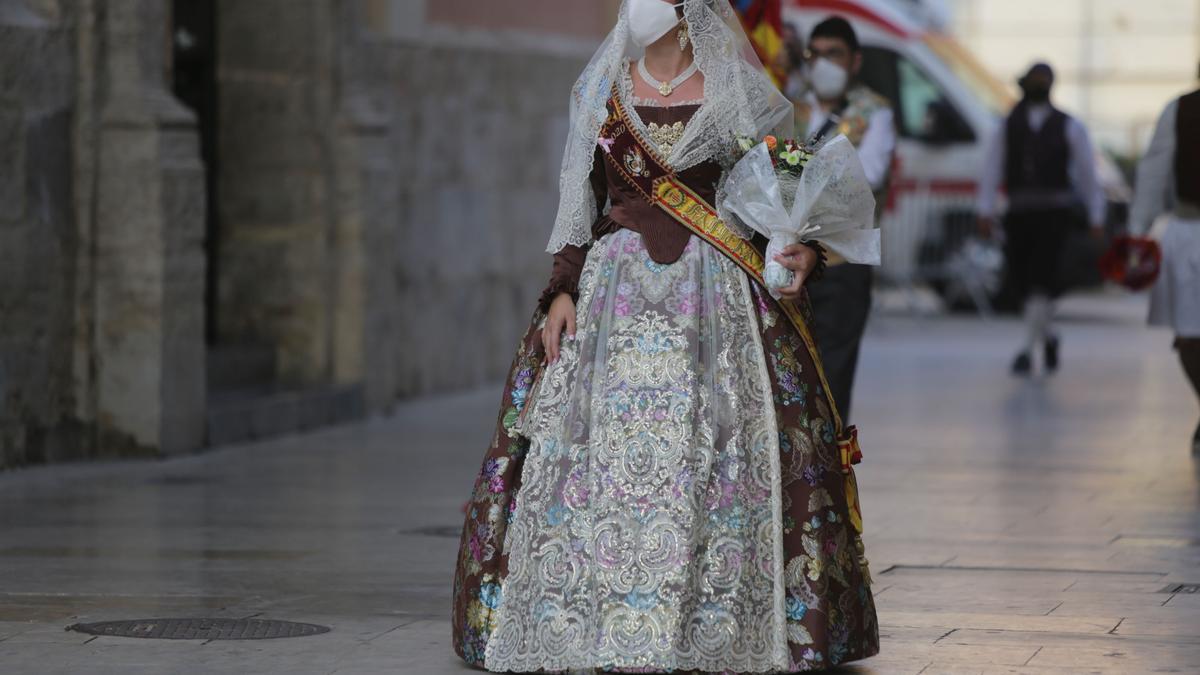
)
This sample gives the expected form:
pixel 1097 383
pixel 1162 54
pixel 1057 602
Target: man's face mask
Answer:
pixel 828 79
pixel 649 20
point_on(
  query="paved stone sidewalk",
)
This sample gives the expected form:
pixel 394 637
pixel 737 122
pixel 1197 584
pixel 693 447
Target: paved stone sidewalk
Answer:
pixel 1014 526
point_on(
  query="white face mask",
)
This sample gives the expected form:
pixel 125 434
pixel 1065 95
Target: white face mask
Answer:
pixel 649 20
pixel 828 79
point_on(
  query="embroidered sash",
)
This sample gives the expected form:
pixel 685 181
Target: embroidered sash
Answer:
pixel 639 164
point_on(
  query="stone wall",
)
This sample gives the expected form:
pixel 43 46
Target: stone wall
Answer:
pixel 275 188
pixel 386 181
pixel 37 236
pixel 478 140
pixel 101 212
pixel 479 110
pixel 307 199
pixel 389 176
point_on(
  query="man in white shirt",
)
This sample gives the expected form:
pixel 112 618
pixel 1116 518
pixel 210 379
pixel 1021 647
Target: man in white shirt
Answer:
pixel 836 104
pixel 1045 161
pixel 1168 180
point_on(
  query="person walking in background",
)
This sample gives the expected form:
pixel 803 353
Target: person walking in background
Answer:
pixel 836 104
pixel 1044 159
pixel 1168 179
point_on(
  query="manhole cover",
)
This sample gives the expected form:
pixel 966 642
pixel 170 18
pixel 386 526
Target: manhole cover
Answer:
pixel 200 629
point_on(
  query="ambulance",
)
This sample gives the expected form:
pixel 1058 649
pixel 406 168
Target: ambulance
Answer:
pixel 947 105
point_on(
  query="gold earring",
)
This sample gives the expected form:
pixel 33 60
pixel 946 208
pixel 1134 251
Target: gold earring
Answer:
pixel 683 38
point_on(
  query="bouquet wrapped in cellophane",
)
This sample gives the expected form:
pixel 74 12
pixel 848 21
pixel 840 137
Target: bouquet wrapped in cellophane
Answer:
pixel 790 193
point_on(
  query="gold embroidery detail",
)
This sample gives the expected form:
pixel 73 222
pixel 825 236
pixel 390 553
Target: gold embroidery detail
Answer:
pixel 636 162
pixel 694 213
pixel 665 136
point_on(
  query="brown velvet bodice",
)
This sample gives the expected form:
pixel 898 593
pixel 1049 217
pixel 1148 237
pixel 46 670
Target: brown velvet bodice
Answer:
pixel 664 238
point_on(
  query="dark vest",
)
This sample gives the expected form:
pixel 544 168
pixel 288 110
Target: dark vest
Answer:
pixel 1036 160
pixel 1187 148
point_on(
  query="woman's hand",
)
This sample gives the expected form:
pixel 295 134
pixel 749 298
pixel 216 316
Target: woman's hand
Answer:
pixel 801 260
pixel 560 317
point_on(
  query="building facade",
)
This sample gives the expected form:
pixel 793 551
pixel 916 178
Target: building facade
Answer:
pixel 222 220
pixel 1118 62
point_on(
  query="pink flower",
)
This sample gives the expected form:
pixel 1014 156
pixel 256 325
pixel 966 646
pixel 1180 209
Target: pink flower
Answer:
pixel 496 484
pixel 606 143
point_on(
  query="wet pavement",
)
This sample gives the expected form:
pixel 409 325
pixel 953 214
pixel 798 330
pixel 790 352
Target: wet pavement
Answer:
pixel 1047 525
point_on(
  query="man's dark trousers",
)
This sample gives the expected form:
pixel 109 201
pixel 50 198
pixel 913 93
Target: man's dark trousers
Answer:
pixel 841 301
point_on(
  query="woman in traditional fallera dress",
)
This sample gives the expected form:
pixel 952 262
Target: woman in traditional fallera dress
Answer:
pixel 669 486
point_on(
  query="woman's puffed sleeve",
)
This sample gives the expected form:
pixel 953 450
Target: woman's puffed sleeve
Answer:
pixel 564 276
pixel 568 262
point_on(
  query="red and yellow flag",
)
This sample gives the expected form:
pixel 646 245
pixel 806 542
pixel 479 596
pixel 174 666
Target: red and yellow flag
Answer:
pixel 763 21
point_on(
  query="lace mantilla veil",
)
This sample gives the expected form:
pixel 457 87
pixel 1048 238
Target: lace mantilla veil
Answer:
pixel 739 100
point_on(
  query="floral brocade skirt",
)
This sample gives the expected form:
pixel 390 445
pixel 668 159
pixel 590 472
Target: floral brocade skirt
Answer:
pixel 669 497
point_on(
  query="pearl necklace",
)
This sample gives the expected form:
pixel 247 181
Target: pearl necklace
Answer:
pixel 665 88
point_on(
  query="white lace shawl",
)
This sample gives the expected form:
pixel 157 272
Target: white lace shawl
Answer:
pixel 739 99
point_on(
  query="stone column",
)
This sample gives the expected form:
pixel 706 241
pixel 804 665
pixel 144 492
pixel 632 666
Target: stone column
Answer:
pixel 365 311
pixel 148 286
pixel 277 271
